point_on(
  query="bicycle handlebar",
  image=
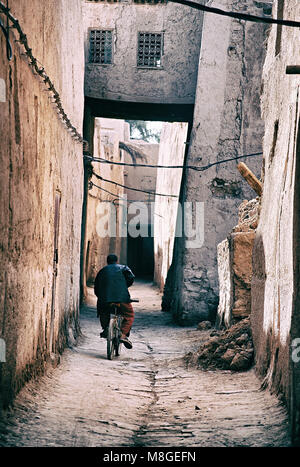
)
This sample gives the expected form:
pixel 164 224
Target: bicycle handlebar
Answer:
pixel 134 300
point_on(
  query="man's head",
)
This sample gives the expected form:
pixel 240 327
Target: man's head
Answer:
pixel 111 259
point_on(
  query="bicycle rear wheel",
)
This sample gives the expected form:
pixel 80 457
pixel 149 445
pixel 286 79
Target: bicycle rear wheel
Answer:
pixel 110 339
pixel 117 343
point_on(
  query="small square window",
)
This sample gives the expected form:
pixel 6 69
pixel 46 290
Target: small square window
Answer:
pixel 100 46
pixel 150 49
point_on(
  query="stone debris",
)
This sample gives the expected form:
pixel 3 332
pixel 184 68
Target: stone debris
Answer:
pixel 203 325
pixel 231 349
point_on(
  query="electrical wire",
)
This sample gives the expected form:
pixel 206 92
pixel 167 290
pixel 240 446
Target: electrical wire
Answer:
pixel 133 189
pixel 118 197
pixel 155 166
pixel 191 167
pixel 91 184
pixel 237 15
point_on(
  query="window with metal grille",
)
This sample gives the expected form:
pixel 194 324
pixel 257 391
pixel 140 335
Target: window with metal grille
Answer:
pixel 100 46
pixel 150 49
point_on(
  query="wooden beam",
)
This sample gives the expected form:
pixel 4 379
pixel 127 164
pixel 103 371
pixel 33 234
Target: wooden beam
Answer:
pixel 293 70
pixel 250 178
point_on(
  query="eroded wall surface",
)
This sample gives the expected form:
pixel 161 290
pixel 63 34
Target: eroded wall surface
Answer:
pixel 39 159
pixel 274 263
pixel 175 82
pixel 226 124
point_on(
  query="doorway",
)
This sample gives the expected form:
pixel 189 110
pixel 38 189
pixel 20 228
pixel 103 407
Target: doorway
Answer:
pixel 140 255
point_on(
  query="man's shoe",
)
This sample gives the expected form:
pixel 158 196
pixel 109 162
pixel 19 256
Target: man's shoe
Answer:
pixel 126 342
pixel 104 333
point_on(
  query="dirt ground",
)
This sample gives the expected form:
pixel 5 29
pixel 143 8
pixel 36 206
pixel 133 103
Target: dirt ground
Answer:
pixel 146 397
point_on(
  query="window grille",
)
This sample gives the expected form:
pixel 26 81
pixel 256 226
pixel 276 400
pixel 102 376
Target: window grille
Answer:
pixel 150 49
pixel 100 46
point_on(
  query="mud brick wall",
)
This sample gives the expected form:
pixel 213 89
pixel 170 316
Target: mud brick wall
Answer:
pixel 39 161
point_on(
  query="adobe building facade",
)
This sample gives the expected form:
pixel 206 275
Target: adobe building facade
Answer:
pixel 275 287
pixel 41 190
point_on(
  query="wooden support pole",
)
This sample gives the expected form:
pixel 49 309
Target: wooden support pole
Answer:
pixel 250 178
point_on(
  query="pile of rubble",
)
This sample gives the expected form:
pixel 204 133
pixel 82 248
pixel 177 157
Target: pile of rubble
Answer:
pixel 230 349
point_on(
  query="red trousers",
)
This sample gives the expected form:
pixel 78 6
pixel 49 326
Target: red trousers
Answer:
pixel 127 312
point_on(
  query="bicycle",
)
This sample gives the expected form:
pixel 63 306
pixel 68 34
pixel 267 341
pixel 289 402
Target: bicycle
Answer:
pixel 114 331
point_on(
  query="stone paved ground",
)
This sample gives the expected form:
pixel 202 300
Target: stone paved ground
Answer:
pixel 145 398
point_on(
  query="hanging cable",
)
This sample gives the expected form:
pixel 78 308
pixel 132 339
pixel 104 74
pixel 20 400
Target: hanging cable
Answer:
pixel 116 196
pixel 192 167
pixel 133 189
pixel 91 184
pixel 156 166
pixel 237 15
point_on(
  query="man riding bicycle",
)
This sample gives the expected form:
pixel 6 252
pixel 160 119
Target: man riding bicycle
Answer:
pixel 111 286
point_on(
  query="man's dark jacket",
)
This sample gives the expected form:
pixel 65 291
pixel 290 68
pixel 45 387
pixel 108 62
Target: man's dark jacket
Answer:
pixel 112 282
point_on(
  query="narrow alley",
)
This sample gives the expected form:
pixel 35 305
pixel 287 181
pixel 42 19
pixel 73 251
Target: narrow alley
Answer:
pixel 147 396
pixel 150 144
